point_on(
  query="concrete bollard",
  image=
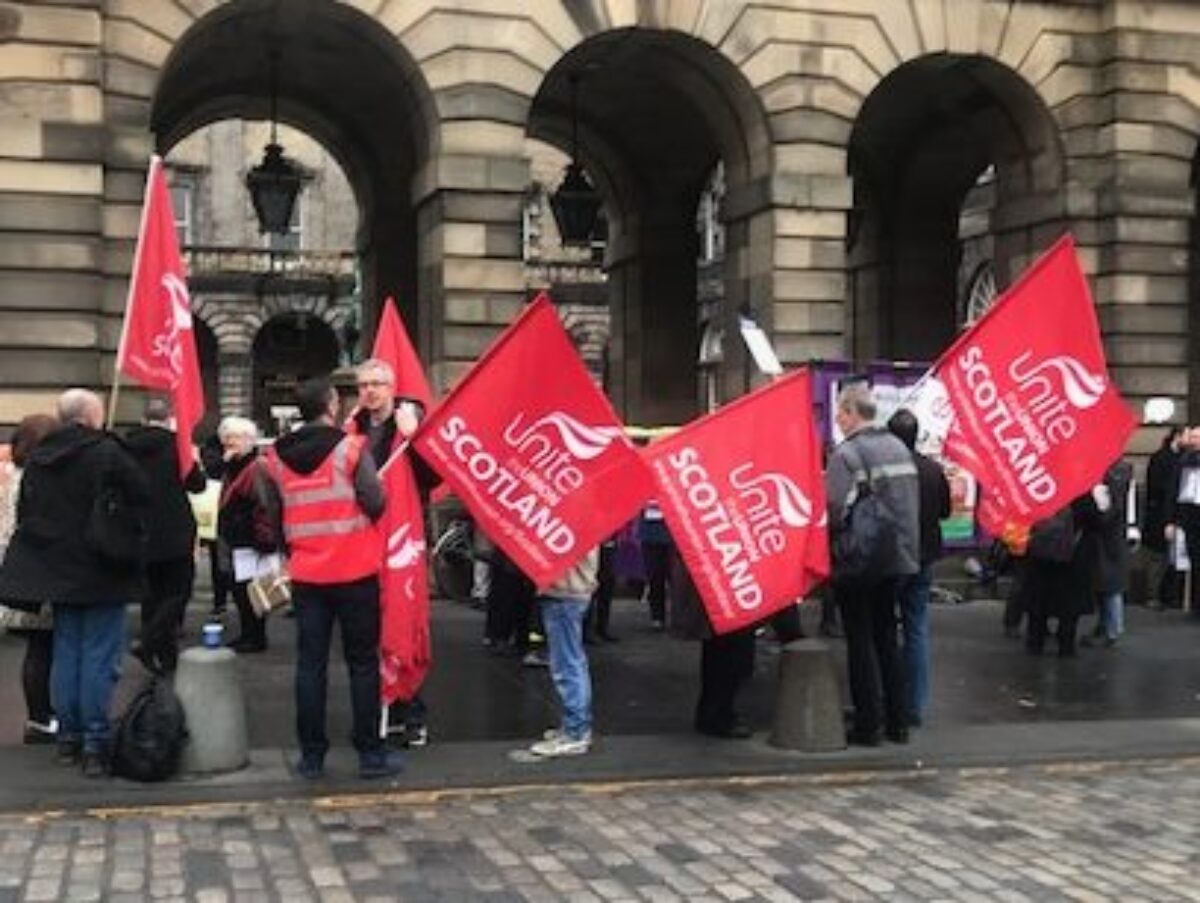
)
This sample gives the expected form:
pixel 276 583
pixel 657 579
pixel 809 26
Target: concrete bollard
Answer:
pixel 808 705
pixel 208 686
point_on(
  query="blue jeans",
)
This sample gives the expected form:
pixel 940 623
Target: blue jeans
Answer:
pixel 914 617
pixel 88 640
pixel 563 622
pixel 1112 614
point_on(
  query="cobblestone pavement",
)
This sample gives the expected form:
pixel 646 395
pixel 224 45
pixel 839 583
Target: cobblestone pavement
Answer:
pixel 1120 832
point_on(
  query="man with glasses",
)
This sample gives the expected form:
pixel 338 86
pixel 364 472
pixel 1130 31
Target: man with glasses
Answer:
pixel 388 421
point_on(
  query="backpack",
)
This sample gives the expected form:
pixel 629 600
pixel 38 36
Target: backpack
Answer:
pixel 149 736
pixel 114 530
pixel 865 545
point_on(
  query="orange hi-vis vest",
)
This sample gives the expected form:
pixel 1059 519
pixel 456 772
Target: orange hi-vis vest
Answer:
pixel 329 538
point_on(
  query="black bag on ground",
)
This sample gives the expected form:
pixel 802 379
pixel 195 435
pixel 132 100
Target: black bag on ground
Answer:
pixel 864 546
pixel 149 736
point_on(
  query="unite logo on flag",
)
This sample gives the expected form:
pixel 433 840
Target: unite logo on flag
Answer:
pixel 1034 415
pixel 742 493
pixel 533 448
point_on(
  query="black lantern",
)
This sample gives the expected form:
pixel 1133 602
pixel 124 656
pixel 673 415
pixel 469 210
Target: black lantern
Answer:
pixel 576 203
pixel 275 183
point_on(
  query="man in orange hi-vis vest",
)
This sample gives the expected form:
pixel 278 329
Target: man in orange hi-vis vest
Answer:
pixel 329 499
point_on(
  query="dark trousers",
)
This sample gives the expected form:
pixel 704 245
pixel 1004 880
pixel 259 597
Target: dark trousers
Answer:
pixel 876 678
pixel 35 675
pixel 168 589
pixel 251 628
pixel 1189 519
pixel 1051 593
pixel 606 583
pixel 220 580
pixel 656 557
pixel 510 607
pixel 1015 605
pixel 355 606
pixel 726 663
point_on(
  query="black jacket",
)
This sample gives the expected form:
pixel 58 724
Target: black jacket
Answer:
pixel 49 559
pixel 381 449
pixel 1105 544
pixel 170 524
pixel 1160 483
pixel 935 506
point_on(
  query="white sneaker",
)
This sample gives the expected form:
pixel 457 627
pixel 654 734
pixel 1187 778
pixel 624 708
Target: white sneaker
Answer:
pixel 555 733
pixel 561 745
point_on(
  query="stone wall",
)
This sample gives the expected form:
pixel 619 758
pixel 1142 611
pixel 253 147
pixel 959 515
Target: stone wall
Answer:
pixel 78 84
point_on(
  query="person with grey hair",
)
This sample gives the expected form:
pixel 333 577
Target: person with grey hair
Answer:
pixel 243 524
pixel 171 535
pixel 65 552
pixel 870 461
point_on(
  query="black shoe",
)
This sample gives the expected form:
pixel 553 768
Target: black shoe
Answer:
pixel 738 730
pixel 310 767
pixel 383 763
pixel 856 737
pixel 95 765
pixel 609 638
pixel 897 735
pixel 69 752
pixel 248 647
pixel 39 733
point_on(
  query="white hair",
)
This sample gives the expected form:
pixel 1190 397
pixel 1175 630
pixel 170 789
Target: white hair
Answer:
pixel 858 399
pixel 237 426
pixel 377 365
pixel 81 406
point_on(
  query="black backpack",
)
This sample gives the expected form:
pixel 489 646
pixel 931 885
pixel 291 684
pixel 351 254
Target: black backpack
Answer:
pixel 149 736
pixel 865 545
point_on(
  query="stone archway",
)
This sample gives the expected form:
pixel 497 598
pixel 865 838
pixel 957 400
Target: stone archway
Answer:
pixel 936 131
pixel 342 78
pixel 657 109
pixel 291 346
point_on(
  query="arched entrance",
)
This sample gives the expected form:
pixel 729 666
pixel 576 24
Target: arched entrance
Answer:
pixel 656 111
pixel 289 349
pixel 343 79
pixel 958 177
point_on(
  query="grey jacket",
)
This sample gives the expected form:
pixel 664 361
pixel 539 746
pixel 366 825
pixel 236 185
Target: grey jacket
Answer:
pixel 579 582
pixel 893 478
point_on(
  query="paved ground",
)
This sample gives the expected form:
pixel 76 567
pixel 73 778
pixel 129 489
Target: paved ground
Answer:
pixel 1115 833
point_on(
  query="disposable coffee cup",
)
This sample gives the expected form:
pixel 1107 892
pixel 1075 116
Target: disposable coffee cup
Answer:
pixel 212 636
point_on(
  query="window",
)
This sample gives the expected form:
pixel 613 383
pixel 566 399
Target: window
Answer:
pixel 294 238
pixel 181 205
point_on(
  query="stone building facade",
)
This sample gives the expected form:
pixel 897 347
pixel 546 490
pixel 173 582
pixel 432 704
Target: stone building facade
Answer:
pixel 849 133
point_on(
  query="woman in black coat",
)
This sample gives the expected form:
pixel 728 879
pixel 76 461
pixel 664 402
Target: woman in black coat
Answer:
pixel 1103 514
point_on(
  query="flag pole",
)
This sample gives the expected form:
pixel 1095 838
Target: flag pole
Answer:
pixel 155 164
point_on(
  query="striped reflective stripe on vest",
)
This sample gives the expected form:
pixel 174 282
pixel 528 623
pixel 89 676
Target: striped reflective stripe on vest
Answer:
pixel 327 528
pixel 340 489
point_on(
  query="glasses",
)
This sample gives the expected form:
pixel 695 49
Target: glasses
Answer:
pixel 372 383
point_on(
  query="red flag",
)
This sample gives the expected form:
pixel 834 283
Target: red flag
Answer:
pixel 392 345
pixel 534 449
pixel 742 492
pixel 405 653
pixel 158 345
pixel 1036 417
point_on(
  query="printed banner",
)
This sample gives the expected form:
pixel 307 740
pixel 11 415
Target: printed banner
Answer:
pixel 534 449
pixel 158 345
pixel 405 649
pixel 1035 416
pixel 744 497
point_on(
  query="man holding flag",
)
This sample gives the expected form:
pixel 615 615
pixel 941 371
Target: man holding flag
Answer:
pixel 393 397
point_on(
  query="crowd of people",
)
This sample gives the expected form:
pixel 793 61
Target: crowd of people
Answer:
pixel 90 522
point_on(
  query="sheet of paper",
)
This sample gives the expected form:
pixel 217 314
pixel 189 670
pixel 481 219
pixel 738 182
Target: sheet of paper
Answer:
pixel 248 564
